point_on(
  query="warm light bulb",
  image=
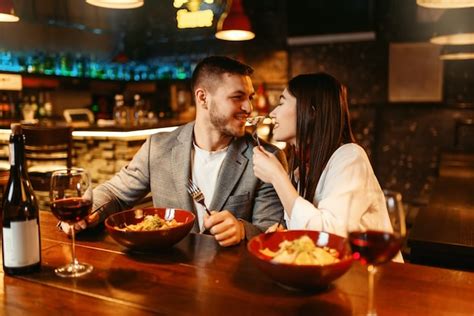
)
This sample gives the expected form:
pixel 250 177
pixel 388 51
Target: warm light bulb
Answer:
pixel 445 4
pixel 454 39
pixel 8 18
pixel 117 4
pixel 457 56
pixel 235 35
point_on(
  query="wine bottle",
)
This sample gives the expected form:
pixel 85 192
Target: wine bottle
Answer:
pixel 21 247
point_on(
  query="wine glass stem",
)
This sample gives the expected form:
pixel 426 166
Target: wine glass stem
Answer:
pixel 73 249
pixel 370 303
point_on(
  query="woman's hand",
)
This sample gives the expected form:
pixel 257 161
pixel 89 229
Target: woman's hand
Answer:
pixel 266 166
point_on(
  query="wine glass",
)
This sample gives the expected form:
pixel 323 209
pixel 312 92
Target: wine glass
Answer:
pixel 376 246
pixel 71 201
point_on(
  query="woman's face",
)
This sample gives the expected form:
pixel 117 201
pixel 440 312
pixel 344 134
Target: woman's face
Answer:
pixel 284 116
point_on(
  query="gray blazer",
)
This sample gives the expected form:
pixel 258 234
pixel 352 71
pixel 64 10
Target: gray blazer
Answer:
pixel 163 166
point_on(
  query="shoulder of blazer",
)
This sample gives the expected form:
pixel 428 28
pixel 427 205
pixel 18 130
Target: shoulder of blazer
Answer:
pixel 168 140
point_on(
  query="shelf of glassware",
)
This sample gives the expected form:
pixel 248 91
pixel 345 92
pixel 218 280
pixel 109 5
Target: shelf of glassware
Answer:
pixel 84 65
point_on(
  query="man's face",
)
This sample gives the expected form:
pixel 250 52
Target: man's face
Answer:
pixel 230 104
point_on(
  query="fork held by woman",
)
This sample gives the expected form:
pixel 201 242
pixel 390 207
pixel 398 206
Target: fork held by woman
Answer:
pixel 255 121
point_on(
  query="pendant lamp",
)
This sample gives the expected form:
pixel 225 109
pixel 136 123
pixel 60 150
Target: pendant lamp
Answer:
pixel 457 52
pixel 234 25
pixel 445 4
pixel 455 27
pixel 117 4
pixel 7 12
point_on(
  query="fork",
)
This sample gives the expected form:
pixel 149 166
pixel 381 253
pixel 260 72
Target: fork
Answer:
pixel 196 194
pixel 280 222
pixel 255 121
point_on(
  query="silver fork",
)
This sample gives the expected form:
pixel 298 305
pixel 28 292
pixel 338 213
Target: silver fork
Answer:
pixel 255 121
pixel 197 195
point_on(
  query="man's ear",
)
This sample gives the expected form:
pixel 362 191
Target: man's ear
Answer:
pixel 201 96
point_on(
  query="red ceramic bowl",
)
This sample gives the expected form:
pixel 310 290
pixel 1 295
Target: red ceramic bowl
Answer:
pixel 148 240
pixel 300 276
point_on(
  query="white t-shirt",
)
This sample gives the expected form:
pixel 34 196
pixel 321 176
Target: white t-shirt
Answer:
pixel 205 169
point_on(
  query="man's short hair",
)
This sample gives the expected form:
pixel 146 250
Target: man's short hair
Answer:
pixel 209 70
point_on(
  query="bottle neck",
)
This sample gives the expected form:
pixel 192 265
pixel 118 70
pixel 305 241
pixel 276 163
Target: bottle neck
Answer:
pixel 17 152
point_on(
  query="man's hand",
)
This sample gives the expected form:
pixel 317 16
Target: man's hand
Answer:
pixel 90 221
pixel 227 229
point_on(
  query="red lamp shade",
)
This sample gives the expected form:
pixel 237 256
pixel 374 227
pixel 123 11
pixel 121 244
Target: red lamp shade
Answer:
pixel 7 12
pixel 234 25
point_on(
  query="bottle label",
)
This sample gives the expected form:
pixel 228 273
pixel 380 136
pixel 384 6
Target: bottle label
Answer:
pixel 12 154
pixel 21 245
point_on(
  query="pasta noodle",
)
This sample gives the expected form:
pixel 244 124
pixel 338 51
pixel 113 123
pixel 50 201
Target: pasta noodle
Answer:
pixel 302 251
pixel 151 222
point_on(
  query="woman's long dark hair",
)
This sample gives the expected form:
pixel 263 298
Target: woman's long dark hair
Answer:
pixel 322 125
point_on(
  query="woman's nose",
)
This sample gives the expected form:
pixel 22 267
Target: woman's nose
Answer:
pixel 273 113
pixel 247 106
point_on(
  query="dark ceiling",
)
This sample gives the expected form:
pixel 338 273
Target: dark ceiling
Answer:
pixel 151 30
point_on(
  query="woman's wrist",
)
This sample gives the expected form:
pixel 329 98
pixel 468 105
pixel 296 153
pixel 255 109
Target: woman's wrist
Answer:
pixel 278 176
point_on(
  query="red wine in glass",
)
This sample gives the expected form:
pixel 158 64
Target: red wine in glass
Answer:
pixel 374 247
pixel 71 201
pixel 71 210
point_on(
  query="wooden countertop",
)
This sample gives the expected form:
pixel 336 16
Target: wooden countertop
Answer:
pixel 199 277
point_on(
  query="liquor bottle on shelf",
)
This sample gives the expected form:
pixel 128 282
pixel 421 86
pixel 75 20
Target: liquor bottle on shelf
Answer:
pixel 48 105
pixel 21 245
pixel 41 110
pixel 139 110
pixel 120 111
pixel 3 105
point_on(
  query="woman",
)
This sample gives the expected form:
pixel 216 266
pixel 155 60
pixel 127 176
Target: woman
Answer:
pixel 331 172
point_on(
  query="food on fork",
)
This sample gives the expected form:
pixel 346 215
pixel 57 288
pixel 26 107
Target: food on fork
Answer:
pixel 302 251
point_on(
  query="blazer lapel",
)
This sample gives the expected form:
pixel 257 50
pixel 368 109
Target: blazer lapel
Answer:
pixel 231 170
pixel 181 167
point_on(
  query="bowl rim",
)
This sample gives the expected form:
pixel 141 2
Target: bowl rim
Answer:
pixel 262 258
pixel 108 226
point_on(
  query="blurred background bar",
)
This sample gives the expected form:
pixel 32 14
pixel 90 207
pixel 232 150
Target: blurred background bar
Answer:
pixel 117 75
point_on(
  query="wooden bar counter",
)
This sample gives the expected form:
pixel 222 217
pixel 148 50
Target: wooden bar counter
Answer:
pixel 199 277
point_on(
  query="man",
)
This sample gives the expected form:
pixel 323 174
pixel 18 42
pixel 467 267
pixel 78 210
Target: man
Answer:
pixel 214 151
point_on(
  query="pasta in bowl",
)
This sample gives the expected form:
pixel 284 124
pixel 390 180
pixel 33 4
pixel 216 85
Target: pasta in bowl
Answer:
pixel 149 228
pixel 301 259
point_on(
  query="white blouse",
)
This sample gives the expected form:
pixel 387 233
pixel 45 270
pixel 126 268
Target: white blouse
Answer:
pixel 347 182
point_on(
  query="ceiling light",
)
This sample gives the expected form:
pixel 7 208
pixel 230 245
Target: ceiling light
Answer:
pixel 457 52
pixel 7 12
pixel 234 25
pixel 117 4
pixel 455 27
pixel 446 4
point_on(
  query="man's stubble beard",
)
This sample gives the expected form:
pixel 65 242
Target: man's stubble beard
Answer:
pixel 222 124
